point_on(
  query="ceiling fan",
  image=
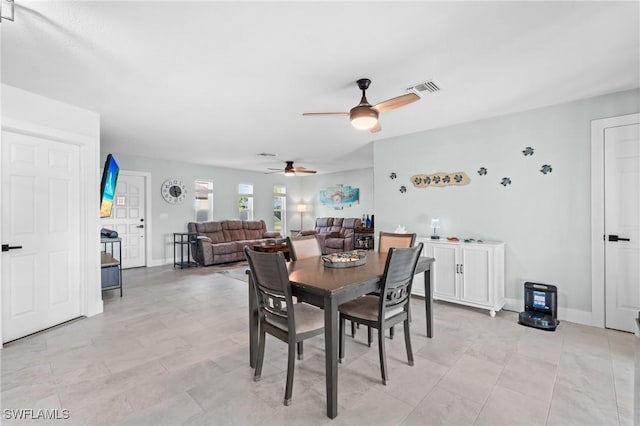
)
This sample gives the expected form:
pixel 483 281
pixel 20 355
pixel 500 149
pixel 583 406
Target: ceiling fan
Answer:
pixel 364 116
pixel 289 170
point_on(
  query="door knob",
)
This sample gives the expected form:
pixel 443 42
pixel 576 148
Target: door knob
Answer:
pixel 140 226
pixel 615 238
pixel 7 247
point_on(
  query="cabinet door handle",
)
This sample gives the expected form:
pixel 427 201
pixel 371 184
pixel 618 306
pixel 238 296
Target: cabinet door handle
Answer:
pixel 457 268
pixel 461 270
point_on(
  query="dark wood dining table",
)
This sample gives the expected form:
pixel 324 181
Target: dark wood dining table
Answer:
pixel 328 288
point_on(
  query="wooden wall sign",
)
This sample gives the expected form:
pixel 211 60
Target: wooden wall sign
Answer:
pixel 440 179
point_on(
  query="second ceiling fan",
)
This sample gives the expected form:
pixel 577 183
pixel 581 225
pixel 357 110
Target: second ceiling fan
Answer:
pixel 289 170
pixel 364 116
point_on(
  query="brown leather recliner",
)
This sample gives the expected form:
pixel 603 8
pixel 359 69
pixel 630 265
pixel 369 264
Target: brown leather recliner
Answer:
pixel 335 234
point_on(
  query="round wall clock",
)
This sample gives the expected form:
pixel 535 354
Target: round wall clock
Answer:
pixel 173 191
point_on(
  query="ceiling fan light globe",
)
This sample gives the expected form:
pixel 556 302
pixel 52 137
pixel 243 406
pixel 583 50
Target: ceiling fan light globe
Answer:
pixel 364 123
pixel 363 117
pixel 289 173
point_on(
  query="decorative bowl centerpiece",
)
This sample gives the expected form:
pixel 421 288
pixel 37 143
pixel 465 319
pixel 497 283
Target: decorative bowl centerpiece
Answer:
pixel 347 259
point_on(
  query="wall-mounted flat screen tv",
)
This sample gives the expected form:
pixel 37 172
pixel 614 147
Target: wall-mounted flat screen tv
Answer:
pixel 108 186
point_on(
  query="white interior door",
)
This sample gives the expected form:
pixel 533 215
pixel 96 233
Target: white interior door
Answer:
pixel 622 223
pixel 40 214
pixel 128 218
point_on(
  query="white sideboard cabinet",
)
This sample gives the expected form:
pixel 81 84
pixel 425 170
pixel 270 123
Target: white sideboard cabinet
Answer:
pixel 470 274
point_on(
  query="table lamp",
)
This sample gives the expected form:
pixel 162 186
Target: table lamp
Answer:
pixel 435 224
pixel 301 208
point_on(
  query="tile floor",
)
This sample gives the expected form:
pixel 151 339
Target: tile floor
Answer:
pixel 174 350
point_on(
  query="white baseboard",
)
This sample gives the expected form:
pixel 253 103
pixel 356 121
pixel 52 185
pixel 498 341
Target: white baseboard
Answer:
pixel 96 309
pixel 513 305
pixel 564 314
pixel 159 262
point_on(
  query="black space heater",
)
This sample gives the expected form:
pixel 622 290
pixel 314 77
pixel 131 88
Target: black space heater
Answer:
pixel 540 306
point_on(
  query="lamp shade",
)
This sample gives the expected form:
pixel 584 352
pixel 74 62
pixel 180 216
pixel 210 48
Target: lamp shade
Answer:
pixel 301 208
pixel 435 223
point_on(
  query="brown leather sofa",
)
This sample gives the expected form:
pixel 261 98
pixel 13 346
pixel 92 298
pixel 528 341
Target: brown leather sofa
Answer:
pixel 223 241
pixel 335 234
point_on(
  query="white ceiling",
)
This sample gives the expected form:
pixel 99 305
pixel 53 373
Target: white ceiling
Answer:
pixel 219 82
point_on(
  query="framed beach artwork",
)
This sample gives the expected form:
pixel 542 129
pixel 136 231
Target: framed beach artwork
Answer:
pixel 340 196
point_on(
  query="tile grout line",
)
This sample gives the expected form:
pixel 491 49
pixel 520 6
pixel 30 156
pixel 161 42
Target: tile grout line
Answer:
pixel 555 381
pixel 425 397
pixel 488 396
pixel 613 375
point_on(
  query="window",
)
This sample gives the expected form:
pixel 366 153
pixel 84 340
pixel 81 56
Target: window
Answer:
pixel 245 201
pixel 279 208
pixel 203 203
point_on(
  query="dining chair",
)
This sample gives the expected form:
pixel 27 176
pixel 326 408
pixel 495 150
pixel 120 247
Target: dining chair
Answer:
pixel 386 241
pixel 309 246
pixel 289 322
pixel 391 240
pixel 303 247
pixel 388 309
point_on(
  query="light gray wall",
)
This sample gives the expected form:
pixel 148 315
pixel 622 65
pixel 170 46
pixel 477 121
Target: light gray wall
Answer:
pixel 312 185
pixel 169 218
pixel 544 220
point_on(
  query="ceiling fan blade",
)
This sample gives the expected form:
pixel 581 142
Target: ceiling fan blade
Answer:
pixel 302 170
pixel 274 172
pixel 394 103
pixel 376 128
pixel 325 114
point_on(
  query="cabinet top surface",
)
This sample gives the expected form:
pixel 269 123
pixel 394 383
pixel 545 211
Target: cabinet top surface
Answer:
pixel 428 240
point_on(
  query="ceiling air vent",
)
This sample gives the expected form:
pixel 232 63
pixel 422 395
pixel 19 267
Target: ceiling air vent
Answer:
pixel 266 154
pixel 426 86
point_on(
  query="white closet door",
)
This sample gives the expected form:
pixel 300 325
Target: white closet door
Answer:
pixel 40 214
pixel 622 219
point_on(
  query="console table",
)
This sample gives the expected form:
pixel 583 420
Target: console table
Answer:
pixel 111 267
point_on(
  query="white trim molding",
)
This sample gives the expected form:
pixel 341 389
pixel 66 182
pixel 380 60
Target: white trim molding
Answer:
pixel 598 128
pixel 159 262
